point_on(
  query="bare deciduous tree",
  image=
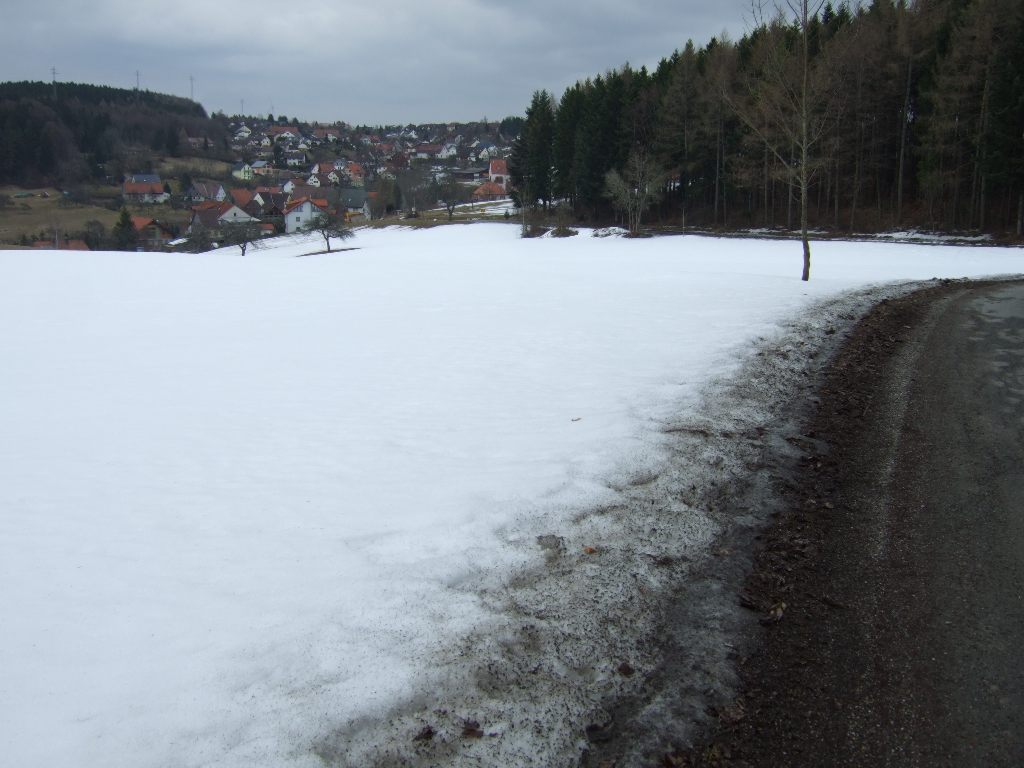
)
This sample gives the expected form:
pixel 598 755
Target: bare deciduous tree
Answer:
pixel 244 234
pixel 784 102
pixel 327 227
pixel 641 184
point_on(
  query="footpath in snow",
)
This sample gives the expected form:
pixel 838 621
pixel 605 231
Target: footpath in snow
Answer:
pixel 279 511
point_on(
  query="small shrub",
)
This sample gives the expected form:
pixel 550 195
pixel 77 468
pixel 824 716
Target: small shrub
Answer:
pixel 563 231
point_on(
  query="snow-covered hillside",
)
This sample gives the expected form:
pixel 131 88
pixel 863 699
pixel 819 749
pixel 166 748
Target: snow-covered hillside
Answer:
pixel 248 502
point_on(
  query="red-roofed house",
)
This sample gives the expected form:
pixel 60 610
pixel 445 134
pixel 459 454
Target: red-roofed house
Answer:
pixel 328 134
pixel 283 131
pixel 145 192
pixel 153 236
pixel 499 173
pixel 356 170
pixel 489 191
pixel 213 216
pixel 300 212
pixel 242 196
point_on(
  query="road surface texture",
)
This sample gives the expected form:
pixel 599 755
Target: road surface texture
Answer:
pixel 892 585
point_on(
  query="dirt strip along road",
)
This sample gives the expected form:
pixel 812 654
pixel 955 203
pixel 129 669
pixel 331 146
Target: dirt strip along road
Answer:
pixel 892 587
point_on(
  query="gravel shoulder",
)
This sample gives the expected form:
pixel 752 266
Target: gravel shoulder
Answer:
pixel 889 586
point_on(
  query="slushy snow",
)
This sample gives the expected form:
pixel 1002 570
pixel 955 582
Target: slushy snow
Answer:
pixel 245 503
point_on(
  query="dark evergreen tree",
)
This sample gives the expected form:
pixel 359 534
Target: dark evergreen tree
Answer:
pixel 124 235
pixel 539 132
pixel 563 154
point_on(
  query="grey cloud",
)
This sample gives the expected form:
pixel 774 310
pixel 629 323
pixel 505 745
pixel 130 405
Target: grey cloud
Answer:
pixel 403 61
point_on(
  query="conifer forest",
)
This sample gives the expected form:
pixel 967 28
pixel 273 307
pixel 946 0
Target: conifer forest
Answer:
pixel 834 117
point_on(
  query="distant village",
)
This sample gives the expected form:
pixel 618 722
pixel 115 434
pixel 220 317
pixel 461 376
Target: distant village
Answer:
pixel 291 174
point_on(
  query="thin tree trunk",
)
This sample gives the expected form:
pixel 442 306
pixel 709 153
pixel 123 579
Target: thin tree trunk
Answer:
pixel 1020 213
pixel 903 142
pixel 981 204
pixel 956 174
pixel 877 168
pixel 804 139
pixel 978 180
pixel 790 188
pixel 856 176
pixel 817 201
pixel 766 217
pixel 718 167
pixel 835 225
pixel 725 202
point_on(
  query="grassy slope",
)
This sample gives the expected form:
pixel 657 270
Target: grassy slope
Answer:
pixel 31 215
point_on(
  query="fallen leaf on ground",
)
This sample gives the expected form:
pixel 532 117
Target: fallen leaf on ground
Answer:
pixel 425 735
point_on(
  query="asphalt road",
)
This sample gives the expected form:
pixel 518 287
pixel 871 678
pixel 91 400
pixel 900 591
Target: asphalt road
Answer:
pixel 893 589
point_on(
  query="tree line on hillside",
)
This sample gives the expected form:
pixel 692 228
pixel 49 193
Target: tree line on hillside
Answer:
pixel 873 116
pixel 61 133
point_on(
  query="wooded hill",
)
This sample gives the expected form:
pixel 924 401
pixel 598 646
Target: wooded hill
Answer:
pixel 67 132
pixel 914 116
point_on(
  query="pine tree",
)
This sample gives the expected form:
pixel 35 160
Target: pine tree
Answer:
pixel 567 123
pixel 540 128
pixel 676 126
pixel 124 235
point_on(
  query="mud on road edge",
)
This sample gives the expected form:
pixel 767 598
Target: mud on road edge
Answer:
pixel 783 713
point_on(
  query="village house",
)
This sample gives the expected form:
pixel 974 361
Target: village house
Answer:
pixel 242 197
pixel 299 213
pixel 152 235
pixel 272 205
pixel 144 189
pixel 331 179
pixel 301 190
pixel 214 216
pixel 427 151
pixel 327 134
pixel 356 171
pixel 448 151
pixel 201 191
pixel 354 201
pixel 473 174
pixel 488 192
pixel 242 171
pixel 283 132
pixel 498 173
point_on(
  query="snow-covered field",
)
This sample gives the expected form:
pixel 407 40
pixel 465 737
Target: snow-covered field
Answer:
pixel 247 502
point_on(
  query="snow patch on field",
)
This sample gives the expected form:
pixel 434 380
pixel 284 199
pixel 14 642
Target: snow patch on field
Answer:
pixel 268 510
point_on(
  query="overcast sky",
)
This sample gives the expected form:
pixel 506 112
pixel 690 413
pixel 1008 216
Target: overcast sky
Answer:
pixel 366 62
